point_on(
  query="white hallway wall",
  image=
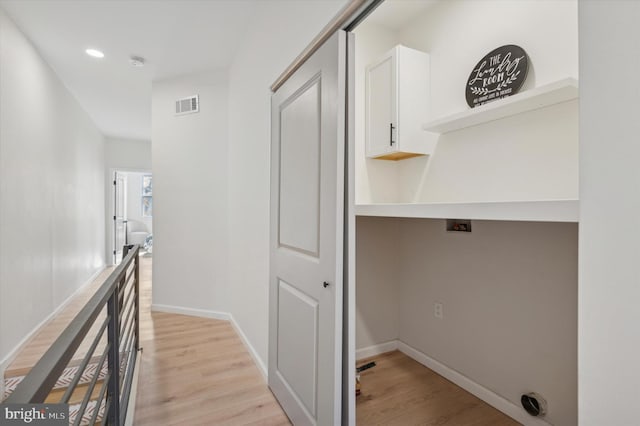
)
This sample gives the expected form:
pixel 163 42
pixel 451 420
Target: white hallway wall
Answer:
pixel 127 154
pixel 282 30
pixel 190 175
pixel 609 283
pixel 51 190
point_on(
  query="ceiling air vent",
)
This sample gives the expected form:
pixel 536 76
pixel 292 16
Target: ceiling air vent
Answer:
pixel 188 105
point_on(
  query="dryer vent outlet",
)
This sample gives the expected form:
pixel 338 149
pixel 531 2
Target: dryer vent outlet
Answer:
pixel 534 404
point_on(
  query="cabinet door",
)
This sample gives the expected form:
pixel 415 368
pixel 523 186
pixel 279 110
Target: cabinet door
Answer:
pixel 381 106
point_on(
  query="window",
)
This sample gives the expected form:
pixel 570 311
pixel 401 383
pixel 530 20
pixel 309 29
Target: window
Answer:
pixel 147 196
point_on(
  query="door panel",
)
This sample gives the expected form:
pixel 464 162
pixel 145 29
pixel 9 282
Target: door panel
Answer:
pixel 307 214
pixel 300 169
pixel 298 331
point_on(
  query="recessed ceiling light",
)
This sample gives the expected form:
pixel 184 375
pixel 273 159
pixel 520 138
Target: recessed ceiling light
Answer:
pixel 95 53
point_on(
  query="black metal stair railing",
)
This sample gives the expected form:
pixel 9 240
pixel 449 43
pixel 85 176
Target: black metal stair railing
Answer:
pixel 114 313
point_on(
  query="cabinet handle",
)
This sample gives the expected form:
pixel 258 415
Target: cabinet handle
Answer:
pixel 391 141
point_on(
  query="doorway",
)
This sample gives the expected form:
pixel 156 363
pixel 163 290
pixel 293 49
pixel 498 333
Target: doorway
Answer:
pixel 428 295
pixel 434 300
pixel 132 208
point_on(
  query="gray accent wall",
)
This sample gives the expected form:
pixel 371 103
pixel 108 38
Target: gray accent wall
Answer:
pixel 510 297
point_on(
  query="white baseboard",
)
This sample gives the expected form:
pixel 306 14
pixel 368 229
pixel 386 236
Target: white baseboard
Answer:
pixel 500 403
pixel 225 316
pixel 4 363
pixel 191 312
pixel 378 349
pixel 252 351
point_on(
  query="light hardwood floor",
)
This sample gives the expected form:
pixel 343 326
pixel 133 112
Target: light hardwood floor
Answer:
pixel 196 371
pixel 401 391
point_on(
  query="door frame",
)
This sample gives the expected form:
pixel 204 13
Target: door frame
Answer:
pixel 349 280
pixel 109 205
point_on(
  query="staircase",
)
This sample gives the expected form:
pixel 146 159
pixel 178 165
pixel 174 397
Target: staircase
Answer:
pixel 61 386
pixel 80 359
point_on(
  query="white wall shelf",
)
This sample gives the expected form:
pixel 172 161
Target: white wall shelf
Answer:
pixel 540 97
pixel 532 211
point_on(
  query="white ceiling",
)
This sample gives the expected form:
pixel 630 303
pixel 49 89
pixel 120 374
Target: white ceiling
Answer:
pixel 175 37
pixel 395 14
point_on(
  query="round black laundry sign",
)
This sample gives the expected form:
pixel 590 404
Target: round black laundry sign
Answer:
pixel 498 75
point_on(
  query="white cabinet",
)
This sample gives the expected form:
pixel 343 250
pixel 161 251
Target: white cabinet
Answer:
pixel 397 93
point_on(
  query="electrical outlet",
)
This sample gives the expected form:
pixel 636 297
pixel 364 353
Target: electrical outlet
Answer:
pixel 438 310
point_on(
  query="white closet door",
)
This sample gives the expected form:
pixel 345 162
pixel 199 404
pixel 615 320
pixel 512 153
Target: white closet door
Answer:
pixel 307 215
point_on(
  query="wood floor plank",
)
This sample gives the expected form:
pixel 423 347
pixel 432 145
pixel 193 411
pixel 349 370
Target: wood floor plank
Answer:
pixel 196 371
pixel 400 391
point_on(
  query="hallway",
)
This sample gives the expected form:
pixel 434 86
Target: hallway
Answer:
pixel 196 371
